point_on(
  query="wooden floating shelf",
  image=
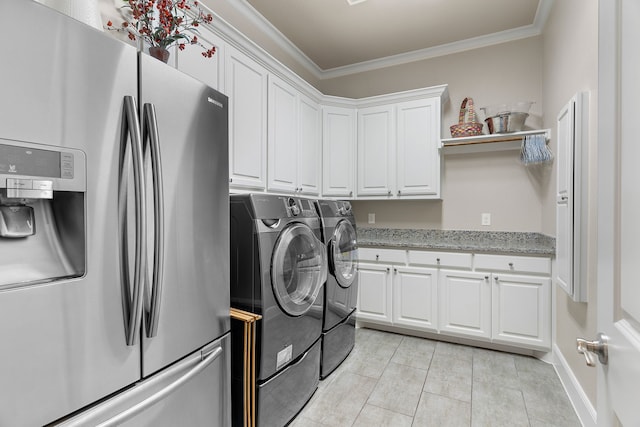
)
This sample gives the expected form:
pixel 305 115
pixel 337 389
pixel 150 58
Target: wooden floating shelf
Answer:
pixel 494 142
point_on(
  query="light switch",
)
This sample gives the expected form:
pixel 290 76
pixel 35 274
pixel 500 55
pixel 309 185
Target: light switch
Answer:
pixel 486 219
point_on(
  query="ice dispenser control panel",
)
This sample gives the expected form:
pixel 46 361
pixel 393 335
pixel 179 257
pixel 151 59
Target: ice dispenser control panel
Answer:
pixel 35 171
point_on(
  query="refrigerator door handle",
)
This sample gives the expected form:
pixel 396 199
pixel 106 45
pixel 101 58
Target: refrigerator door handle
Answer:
pixel 96 417
pixel 132 298
pixel 153 294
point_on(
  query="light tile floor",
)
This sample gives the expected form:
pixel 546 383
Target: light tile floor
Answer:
pixel 396 380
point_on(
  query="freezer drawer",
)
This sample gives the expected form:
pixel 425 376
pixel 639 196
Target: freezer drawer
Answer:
pixel 195 391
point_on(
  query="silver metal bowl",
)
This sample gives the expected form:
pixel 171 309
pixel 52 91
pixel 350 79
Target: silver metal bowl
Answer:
pixel 506 122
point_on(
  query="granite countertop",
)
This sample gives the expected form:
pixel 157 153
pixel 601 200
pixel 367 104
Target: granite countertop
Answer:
pixel 458 240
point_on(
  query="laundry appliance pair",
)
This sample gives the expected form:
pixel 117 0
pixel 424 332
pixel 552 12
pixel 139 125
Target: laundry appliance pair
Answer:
pixel 285 252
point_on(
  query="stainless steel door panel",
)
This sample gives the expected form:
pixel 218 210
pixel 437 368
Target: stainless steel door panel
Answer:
pixel 63 343
pixel 192 392
pixel 192 128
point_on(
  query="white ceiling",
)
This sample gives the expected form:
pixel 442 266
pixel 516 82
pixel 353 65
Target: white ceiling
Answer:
pixel 334 38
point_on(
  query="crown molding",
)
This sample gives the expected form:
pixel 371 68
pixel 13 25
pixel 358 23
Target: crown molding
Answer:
pixel 535 29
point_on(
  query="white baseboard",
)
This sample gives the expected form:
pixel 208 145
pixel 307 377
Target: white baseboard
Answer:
pixel 581 403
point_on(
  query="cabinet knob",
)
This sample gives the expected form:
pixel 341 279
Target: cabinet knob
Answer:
pixel 377 257
pixel 388 193
pixel 438 260
pixel 399 192
pixel 388 269
pixel 496 278
pixel 486 277
pixel 350 193
pixel 510 265
pixel 395 271
pixel 230 179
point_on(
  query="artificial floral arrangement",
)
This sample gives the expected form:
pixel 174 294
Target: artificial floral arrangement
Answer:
pixel 163 23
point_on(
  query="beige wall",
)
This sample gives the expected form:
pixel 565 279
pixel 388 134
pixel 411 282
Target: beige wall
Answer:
pixel 571 65
pixel 473 184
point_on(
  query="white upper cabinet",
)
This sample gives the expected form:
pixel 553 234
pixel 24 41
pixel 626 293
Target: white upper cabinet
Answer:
pixel 208 70
pixel 246 87
pixel 376 149
pixel 339 148
pixel 294 140
pixel 309 146
pixel 399 146
pixel 417 148
pixel 283 138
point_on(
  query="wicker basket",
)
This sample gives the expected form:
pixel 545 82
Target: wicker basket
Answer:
pixel 470 128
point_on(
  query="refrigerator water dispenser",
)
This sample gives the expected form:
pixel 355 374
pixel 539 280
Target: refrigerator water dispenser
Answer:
pixel 42 214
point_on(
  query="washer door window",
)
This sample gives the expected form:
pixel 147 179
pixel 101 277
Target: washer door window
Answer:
pixel 298 269
pixel 344 254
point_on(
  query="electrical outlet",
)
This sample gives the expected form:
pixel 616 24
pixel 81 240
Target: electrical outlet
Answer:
pixel 372 218
pixel 486 219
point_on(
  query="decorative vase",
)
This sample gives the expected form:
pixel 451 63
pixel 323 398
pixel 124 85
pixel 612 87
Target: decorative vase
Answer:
pixel 159 53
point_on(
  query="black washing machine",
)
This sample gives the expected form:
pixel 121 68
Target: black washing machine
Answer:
pixel 278 270
pixel 341 288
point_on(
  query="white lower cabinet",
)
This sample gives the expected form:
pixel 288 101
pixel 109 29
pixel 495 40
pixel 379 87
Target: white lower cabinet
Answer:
pixel 415 297
pixel 374 293
pixel 493 298
pixel 521 310
pixel 465 304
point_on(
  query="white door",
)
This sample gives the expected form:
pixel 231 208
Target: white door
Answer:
pixel 246 87
pixel 376 152
pixel 418 139
pixel 282 165
pixel 374 293
pixel 618 212
pixel 415 297
pixel 309 146
pixel 465 303
pixel 339 147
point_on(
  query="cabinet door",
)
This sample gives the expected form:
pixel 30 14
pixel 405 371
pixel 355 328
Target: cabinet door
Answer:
pixel 376 154
pixel 465 304
pixel 283 136
pixel 572 197
pixel 246 87
pixel 522 310
pixel 309 146
pixel 210 71
pixel 417 148
pixel 374 293
pixel 339 147
pixel 415 302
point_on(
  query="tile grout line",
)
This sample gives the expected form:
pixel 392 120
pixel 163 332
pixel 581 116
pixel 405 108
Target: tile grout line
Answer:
pixel 366 402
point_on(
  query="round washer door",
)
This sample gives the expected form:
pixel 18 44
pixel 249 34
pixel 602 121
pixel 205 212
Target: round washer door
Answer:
pixel 344 253
pixel 298 269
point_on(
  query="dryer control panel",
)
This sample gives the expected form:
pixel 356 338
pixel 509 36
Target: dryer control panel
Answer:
pixel 299 207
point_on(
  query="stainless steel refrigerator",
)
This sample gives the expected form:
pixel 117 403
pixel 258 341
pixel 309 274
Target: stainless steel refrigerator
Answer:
pixel 114 231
